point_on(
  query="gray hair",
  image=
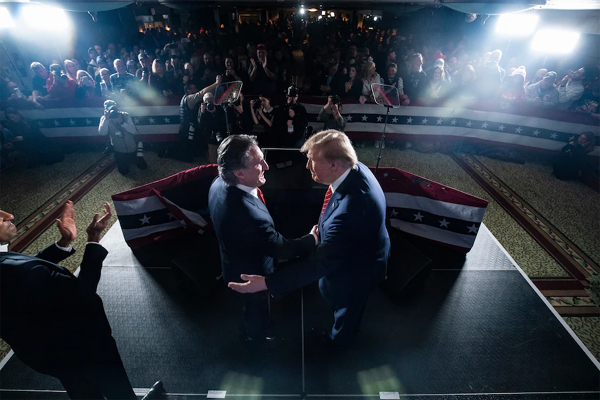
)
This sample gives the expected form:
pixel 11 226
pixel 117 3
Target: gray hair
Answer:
pixel 234 154
pixel 35 65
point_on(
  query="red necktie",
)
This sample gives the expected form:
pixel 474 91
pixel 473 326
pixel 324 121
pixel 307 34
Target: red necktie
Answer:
pixel 260 196
pixel 326 201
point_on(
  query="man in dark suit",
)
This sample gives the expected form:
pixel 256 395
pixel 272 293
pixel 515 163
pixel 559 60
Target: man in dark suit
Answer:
pixel 354 245
pixel 55 322
pixel 247 237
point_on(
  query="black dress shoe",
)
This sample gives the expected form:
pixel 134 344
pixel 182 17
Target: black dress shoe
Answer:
pixel 263 343
pixel 157 391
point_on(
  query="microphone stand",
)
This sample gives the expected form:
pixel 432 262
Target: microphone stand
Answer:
pixel 382 137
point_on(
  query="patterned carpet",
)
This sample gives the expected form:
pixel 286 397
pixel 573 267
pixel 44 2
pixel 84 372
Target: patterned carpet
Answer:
pixel 571 207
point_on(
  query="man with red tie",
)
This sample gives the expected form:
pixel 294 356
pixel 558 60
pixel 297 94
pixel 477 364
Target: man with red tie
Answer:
pixel 354 244
pixel 247 237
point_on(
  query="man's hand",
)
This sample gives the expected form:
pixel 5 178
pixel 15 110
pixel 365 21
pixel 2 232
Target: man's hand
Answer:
pixel 264 63
pixel 253 62
pixel 99 224
pixel 315 232
pixel 292 113
pixel 255 283
pixel 66 225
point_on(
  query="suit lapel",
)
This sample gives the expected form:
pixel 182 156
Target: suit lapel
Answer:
pixel 339 195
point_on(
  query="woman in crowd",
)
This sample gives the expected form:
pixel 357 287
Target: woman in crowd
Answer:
pixel 370 76
pixel 103 84
pixel 512 91
pixel 572 159
pixel 71 69
pixel 158 79
pixel 263 114
pixel 436 86
pixel 464 83
pixel 354 85
pixel 86 86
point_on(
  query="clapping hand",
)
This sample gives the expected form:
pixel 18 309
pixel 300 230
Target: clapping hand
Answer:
pixel 66 225
pixel 99 224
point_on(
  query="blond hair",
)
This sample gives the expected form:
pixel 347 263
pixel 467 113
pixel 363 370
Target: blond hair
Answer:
pixel 332 145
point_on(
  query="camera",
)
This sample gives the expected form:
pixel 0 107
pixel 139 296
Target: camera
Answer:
pixel 335 99
pixel 258 103
pixel 210 106
pixel 113 113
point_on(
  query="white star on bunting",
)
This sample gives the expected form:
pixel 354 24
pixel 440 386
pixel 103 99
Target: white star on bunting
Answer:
pixel 379 118
pixel 553 136
pixel 40 124
pixel 88 122
pixel 518 130
pixel 56 123
pixel 453 122
pixel 484 125
pixel 424 122
pixel 501 128
pixel 395 119
pixel 472 229
pixel 536 133
pixel 364 118
pixel 145 220
pixel 409 120
pixel 439 121
pixel 394 213
pixel 72 122
pixel 418 216
pixel 171 216
pixel 349 118
pixel 151 120
pixel 571 138
pixel 469 123
pixel 167 120
pixel 136 120
pixel 444 223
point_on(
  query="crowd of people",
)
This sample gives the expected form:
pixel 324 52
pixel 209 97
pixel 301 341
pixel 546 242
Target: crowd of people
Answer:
pixel 339 63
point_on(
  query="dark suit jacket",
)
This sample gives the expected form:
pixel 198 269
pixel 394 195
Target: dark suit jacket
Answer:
pixel 247 237
pixel 50 318
pixel 354 248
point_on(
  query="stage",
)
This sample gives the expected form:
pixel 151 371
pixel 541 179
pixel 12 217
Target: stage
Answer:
pixel 473 328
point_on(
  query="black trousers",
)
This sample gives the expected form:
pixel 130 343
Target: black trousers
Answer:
pixel 101 377
pixel 256 313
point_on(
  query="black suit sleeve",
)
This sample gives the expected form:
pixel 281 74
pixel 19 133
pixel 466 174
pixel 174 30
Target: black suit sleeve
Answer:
pixel 91 266
pixel 53 254
pixel 264 239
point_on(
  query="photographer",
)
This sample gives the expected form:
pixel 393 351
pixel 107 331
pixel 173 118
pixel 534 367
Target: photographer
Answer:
pixel 211 122
pixel 263 114
pixel 191 142
pixel 291 120
pixel 121 130
pixel 59 85
pixel 331 115
pixel 238 119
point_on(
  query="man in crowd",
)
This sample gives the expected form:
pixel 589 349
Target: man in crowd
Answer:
pixel 263 73
pixel 570 88
pixel 247 237
pixel 40 90
pixel 55 322
pixel 415 79
pixel 59 85
pixel 354 245
pixel 92 65
pixel 543 94
pixel 122 81
pixel 291 120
